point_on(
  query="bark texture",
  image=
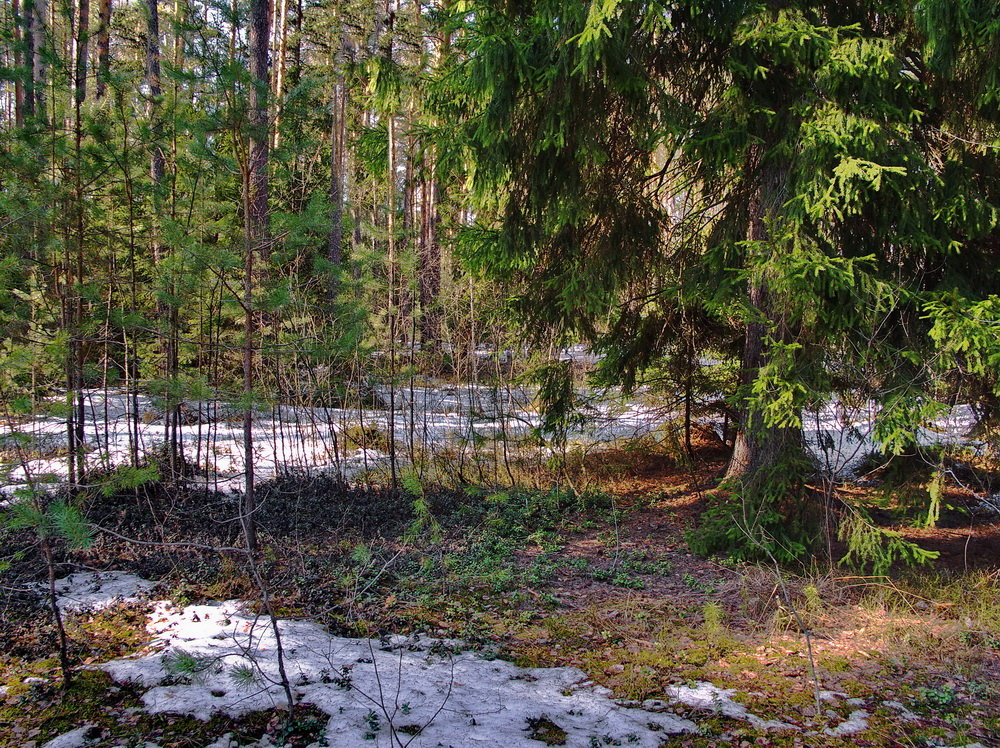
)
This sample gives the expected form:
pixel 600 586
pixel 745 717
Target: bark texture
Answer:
pixel 759 448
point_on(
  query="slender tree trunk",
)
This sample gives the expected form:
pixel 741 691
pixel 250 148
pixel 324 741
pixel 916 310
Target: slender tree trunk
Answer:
pixel 259 126
pixel 29 20
pixel 406 299
pixel 75 264
pixel 256 220
pixel 166 311
pixel 280 51
pixel 103 48
pixel 156 159
pixel 393 296
pixel 429 262
pixel 759 447
pixel 296 69
pixel 338 132
pixel 19 56
pixel 62 641
pixel 37 99
pixel 429 251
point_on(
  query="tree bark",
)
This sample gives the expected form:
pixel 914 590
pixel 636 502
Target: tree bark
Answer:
pixel 156 159
pixel 256 222
pixel 429 262
pixel 19 35
pixel 758 446
pixel 338 135
pixel 280 50
pixel 36 11
pixel 259 36
pixel 80 45
pixel 103 48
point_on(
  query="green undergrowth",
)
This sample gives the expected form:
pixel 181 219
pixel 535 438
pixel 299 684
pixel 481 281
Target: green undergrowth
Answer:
pixel 493 568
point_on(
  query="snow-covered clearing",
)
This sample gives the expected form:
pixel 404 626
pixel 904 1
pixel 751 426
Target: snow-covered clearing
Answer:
pixel 429 417
pixel 288 438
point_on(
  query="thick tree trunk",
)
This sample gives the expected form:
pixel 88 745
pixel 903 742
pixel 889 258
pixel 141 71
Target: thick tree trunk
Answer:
pixel 759 447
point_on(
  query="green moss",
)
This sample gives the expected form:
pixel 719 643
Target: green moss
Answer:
pixel 44 711
pixel 546 731
pixel 834 664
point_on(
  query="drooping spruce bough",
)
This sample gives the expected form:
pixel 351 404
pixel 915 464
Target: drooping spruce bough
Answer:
pixel 810 186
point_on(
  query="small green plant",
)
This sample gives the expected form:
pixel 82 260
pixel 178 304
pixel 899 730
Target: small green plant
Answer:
pixel 373 724
pixel 51 522
pixel 183 666
pixel 713 616
pixel 813 602
pixel 698 584
pixel 343 679
pixel 244 676
pixel 940 698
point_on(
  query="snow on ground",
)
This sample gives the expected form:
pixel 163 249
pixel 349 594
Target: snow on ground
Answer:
pixel 460 417
pixel 296 438
pixel 206 659
pixel 211 658
pixel 99 590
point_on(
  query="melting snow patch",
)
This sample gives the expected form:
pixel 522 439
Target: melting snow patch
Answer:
pixel 720 700
pixel 903 712
pixel 857 722
pixel 81 736
pixel 217 658
pixel 98 590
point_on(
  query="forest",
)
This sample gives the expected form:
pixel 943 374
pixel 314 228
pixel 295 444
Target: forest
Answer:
pixel 499 372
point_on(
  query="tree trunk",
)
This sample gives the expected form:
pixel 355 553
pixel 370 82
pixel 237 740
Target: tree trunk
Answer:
pixel 19 56
pixel 35 97
pixel 80 44
pixel 75 264
pixel 429 262
pixel 103 48
pixel 758 447
pixel 256 222
pixel 338 132
pixel 280 50
pixel 156 159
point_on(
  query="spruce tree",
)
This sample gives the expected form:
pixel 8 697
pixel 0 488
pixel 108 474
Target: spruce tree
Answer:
pixel 817 213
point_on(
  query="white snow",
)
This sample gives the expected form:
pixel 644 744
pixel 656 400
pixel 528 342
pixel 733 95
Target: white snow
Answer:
pixel 372 688
pixel 432 416
pixel 708 697
pixel 218 657
pixel 89 591
pixel 855 723
pixel 77 738
pixel 288 438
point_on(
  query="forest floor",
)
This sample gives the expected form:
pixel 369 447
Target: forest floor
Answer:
pixel 602 580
